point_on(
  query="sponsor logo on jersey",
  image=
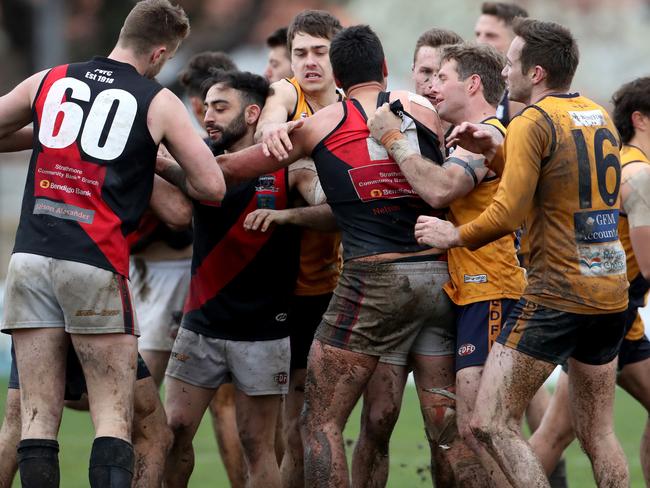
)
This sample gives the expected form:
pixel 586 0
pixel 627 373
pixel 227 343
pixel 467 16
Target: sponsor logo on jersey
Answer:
pixel 266 183
pixel 466 349
pixel 596 226
pixel 588 118
pixel 281 378
pixel 601 259
pixel 479 278
pixel 97 313
pixel 281 317
pixel 380 180
pixel 63 211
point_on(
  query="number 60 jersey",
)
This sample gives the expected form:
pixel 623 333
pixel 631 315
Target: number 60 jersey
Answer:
pixel 91 171
pixel 563 174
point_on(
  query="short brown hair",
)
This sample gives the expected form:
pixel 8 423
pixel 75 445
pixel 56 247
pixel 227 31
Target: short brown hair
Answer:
pixel 504 11
pixel 550 46
pixel 481 60
pixel 631 97
pixel 436 38
pixel 200 67
pixel 317 23
pixel 153 23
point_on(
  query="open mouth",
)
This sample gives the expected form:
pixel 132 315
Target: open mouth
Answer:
pixel 312 76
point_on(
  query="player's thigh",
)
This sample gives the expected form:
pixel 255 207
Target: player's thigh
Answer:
pixel 467 385
pixel 634 373
pixel 253 414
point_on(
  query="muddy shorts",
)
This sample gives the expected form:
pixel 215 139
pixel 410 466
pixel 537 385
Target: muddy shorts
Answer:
pixel 75 382
pixel 555 336
pixel 305 314
pixel 379 309
pixel 255 367
pixel 159 290
pixel 46 292
pixel 477 327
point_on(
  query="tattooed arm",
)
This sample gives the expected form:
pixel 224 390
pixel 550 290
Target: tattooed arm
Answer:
pixel 170 170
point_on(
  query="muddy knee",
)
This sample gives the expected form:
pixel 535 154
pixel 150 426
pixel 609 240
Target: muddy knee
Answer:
pixel 439 411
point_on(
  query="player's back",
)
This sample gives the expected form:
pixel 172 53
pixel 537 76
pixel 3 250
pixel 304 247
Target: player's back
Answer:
pixel 577 263
pixel 91 172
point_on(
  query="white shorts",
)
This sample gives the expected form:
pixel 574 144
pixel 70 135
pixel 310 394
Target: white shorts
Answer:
pixel 47 292
pixel 255 367
pixel 159 291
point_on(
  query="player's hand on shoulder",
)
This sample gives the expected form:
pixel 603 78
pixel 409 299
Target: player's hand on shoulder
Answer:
pixel 275 138
pixel 262 219
pixel 383 121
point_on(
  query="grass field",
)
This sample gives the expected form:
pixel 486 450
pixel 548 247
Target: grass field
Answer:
pixel 409 453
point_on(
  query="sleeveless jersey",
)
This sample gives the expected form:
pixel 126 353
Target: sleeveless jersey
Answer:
pixel 639 286
pixel 319 251
pixel 491 272
pixel 241 281
pixel 374 205
pixel 91 171
pixel 563 176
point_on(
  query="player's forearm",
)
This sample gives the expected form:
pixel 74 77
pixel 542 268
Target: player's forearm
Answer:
pixel 271 114
pixel 247 164
pixel 20 140
pixel 170 204
pixel 170 171
pixel 317 217
pixel 498 220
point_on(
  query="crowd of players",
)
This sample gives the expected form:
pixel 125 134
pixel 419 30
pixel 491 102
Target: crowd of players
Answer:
pixel 479 231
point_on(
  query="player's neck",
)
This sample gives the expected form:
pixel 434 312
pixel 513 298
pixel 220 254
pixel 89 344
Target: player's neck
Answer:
pixel 642 141
pixel 365 90
pixel 540 92
pixel 127 56
pixel 246 141
pixel 321 98
pixel 477 110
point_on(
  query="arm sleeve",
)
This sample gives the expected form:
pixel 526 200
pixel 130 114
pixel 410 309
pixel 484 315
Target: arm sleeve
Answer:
pixel 525 146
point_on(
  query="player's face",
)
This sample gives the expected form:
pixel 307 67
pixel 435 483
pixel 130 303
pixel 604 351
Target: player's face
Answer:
pixel 493 31
pixel 424 71
pixel 450 93
pixel 519 84
pixel 278 65
pixel 225 120
pixel 310 62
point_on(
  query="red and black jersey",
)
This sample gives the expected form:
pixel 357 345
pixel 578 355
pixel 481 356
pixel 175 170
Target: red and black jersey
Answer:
pixel 91 172
pixel 374 205
pixel 242 280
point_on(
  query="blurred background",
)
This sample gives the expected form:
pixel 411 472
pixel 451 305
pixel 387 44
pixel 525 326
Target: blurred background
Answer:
pixel 36 34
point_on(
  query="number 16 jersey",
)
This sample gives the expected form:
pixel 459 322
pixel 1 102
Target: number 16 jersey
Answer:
pixel 563 175
pixel 91 171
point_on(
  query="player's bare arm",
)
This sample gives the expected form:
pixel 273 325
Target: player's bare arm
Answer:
pixel 170 123
pixel 170 204
pixel 271 129
pixel 477 138
pixel 21 140
pixel 635 201
pixel 16 106
pixel 437 185
pixel 317 215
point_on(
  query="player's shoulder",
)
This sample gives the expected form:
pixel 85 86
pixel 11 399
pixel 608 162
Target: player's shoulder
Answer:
pixel 410 100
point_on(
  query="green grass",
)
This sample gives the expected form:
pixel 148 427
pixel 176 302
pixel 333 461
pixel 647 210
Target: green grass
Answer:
pixel 409 453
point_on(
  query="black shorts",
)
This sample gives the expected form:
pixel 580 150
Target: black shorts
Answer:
pixel 555 336
pixel 633 352
pixel 477 327
pixel 305 314
pixel 75 383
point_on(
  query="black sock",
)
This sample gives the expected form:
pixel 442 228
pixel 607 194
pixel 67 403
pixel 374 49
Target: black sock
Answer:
pixel 111 463
pixel 38 462
pixel 558 477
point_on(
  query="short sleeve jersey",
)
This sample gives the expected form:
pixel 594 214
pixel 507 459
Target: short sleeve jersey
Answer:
pixel 562 174
pixel 91 171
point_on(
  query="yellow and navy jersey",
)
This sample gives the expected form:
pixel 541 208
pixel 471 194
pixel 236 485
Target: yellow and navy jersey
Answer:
pixel 638 286
pixel 491 272
pixel 563 178
pixel 320 262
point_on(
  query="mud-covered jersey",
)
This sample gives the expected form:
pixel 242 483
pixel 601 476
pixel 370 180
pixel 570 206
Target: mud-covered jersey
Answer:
pixel 241 280
pixel 373 203
pixel 491 272
pixel 91 171
pixel 563 177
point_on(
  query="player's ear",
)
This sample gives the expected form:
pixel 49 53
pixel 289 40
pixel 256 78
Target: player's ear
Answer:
pixel 157 53
pixel 252 113
pixel 474 84
pixel 384 68
pixel 538 75
pixel 640 121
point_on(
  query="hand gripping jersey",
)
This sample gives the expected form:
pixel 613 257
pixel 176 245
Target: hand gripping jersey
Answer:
pixel 241 281
pixel 319 251
pixel 563 176
pixel 91 172
pixel 374 205
pixel 639 286
pixel 491 272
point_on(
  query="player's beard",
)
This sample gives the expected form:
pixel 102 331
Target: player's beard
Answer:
pixel 230 134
